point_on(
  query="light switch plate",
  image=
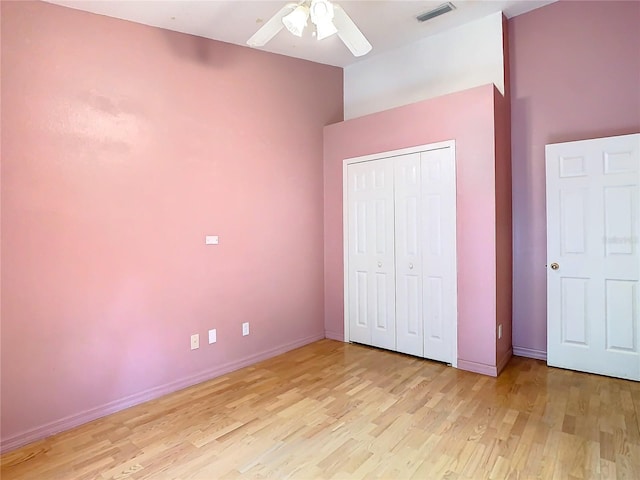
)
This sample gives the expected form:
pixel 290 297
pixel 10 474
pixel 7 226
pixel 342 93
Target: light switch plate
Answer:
pixel 211 240
pixel 245 329
pixel 195 341
pixel 212 336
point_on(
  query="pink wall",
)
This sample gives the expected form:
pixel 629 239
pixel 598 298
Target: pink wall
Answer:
pixel 468 118
pixel 122 147
pixel 575 74
pixel 504 232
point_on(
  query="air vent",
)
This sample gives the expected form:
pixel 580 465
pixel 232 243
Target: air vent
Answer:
pixel 436 12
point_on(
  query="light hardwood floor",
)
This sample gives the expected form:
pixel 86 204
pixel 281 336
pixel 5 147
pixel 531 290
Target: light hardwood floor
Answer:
pixel 334 410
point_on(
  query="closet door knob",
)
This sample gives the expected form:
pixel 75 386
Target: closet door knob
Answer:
pixel 411 266
pixel 379 264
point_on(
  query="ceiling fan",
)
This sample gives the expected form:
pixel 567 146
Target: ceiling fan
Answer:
pixel 327 17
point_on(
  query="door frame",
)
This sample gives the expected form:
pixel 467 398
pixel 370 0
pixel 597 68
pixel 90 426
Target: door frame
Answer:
pixel 345 228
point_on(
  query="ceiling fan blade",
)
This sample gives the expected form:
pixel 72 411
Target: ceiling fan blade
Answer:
pixel 271 28
pixel 349 33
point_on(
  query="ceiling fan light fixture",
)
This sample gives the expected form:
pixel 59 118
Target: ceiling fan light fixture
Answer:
pixel 297 20
pixel 322 18
pixel 328 18
pixel 325 29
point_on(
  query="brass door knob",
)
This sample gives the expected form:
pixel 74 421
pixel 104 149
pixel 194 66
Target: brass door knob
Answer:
pixel 555 266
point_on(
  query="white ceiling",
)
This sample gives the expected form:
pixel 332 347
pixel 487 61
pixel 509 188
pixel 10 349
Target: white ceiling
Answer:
pixel 386 24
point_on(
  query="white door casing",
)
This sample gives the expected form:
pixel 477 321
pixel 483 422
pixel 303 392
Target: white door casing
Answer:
pixel 593 256
pixel 423 210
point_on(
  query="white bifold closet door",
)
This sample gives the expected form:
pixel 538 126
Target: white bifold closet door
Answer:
pixel 372 271
pixel 401 270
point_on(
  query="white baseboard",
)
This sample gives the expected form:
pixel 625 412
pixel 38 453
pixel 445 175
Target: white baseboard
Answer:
pixel 91 414
pixel 530 353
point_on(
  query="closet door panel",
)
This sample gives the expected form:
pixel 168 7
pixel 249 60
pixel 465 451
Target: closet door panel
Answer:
pixel 358 312
pixel 382 279
pixel 371 274
pixel 439 252
pixel 408 211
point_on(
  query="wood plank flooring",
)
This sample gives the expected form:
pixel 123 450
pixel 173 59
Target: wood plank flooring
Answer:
pixel 334 410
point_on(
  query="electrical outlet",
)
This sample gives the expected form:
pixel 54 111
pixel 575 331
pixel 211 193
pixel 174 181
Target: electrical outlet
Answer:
pixel 499 331
pixel 195 341
pixel 245 329
pixel 212 336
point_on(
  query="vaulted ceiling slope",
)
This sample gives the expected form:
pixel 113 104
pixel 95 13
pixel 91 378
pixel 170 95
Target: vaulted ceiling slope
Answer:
pixel 386 24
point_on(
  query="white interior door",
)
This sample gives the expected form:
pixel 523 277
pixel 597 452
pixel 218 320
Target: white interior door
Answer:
pixel 592 254
pixel 408 215
pixel 371 269
pixel 438 239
